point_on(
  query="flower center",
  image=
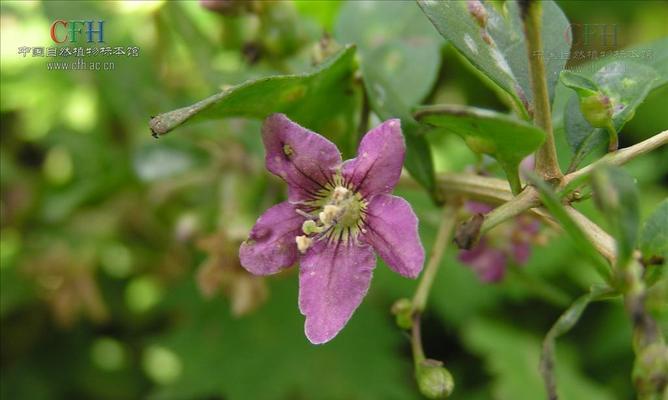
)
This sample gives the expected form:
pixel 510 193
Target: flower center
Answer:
pixel 339 217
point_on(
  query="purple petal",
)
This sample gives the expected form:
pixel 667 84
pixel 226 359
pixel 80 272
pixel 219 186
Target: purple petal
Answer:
pixel 304 159
pixel 271 245
pixel 379 160
pixel 333 280
pixel 477 207
pixel 392 229
pixel 488 263
pixel 521 252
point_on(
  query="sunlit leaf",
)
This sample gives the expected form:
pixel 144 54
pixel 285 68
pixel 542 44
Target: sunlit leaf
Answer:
pixel 501 136
pixel 491 37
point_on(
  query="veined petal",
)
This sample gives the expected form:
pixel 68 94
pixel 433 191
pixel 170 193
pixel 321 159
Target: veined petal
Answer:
pixel 333 280
pixel 271 246
pixel 392 229
pixel 304 159
pixel 380 156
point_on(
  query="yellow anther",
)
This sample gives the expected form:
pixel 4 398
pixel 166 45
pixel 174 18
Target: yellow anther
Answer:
pixel 340 193
pixel 303 243
pixel 329 214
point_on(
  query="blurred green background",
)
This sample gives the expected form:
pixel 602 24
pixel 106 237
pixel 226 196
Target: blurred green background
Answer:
pixel 119 270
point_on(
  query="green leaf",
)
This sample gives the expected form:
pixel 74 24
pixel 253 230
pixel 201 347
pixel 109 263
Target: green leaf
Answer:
pixel 626 84
pixel 400 59
pixel 616 195
pixel 511 357
pixel 387 103
pixel 325 101
pixel 582 85
pixel 558 211
pixel 501 136
pixel 266 355
pixel 492 39
pixel 565 323
pixel 394 40
pixel 654 235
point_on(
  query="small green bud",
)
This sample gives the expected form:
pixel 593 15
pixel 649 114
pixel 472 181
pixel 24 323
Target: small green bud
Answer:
pixel 597 110
pixel 434 381
pixel 403 310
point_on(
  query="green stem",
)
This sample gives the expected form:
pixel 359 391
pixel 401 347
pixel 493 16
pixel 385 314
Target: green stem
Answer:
pixel 613 144
pixel 650 370
pixel 619 157
pixel 443 238
pixel 524 201
pixel 416 341
pixel 547 165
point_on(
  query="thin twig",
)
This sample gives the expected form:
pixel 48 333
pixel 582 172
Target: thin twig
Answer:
pixel 443 239
pixel 620 157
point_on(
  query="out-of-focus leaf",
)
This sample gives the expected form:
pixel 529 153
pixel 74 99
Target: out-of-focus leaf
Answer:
pixel 399 62
pixel 616 195
pixel 565 323
pixel 324 101
pixel 553 203
pixel 492 39
pixel 511 357
pixel 626 84
pixel 395 41
pixel 653 239
pixel 388 103
pixel 165 159
pixel 266 356
pixel 501 136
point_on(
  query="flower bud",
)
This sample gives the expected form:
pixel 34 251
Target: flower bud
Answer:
pixel 597 110
pixel 434 381
pixel 402 309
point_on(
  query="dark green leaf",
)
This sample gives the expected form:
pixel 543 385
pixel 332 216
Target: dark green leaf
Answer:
pixel 388 103
pixel 558 211
pixel 565 323
pixel 492 39
pixel 616 195
pixel 501 136
pixel 399 61
pixel 325 101
pixel 626 84
pixel 654 235
pixel 511 358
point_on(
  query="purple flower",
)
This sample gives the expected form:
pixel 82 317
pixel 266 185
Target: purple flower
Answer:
pixel 336 215
pixel 511 242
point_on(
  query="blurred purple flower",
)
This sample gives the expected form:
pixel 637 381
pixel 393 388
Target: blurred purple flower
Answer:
pixel 336 215
pixel 491 256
